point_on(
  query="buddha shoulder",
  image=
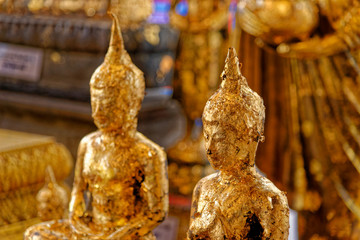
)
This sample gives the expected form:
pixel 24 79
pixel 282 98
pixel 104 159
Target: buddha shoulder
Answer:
pixel 267 188
pixel 149 149
pixel 207 184
pixel 90 139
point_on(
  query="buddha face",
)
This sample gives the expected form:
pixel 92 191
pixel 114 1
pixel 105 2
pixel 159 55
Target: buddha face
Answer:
pixel 227 147
pixel 109 110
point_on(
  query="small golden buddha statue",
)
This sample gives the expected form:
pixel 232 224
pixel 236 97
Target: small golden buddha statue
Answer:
pixel 120 188
pixel 236 202
pixel 52 199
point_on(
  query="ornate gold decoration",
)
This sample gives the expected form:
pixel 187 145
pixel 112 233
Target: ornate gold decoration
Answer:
pixel 15 231
pixel 319 72
pixel 236 202
pixel 120 187
pixel 23 160
pixel 278 21
pixel 25 157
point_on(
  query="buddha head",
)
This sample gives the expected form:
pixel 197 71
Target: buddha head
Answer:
pixel 117 88
pixel 233 120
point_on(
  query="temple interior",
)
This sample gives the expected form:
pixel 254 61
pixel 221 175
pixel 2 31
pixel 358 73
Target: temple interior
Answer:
pixel 302 57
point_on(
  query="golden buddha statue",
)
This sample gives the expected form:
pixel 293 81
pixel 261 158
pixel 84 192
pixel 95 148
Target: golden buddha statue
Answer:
pixel 120 186
pixel 314 60
pixel 236 202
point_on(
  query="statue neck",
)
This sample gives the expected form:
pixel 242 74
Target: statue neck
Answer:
pixel 240 167
pixel 237 174
pixel 118 138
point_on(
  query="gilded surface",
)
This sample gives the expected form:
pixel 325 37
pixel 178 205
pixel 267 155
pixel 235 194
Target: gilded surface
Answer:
pixel 23 160
pixel 196 78
pixel 16 230
pixel 52 199
pixel 19 153
pixel 320 76
pixel 131 12
pixel 278 21
pixel 120 187
pixel 19 205
pixel 236 202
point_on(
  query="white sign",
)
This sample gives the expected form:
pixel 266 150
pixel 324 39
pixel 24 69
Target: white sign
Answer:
pixel 20 62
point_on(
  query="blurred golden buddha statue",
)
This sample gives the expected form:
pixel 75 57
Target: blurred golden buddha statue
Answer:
pixel 311 63
pixel 197 67
pixel 52 199
pixel 236 202
pixel 196 77
pixel 120 187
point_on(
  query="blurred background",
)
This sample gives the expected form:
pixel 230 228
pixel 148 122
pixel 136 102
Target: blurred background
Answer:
pixel 301 56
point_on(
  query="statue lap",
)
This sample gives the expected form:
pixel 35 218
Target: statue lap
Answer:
pixel 62 230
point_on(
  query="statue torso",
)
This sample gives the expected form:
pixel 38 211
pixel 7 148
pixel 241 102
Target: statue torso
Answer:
pixel 114 178
pixel 236 209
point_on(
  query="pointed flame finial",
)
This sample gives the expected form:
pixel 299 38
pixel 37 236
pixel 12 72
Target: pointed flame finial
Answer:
pixel 52 199
pixel 116 53
pixel 116 39
pixel 232 77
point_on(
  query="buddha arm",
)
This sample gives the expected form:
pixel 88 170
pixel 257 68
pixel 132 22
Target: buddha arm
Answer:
pixel 278 222
pixel 204 222
pixel 313 48
pixel 77 203
pixel 193 229
pixel 155 193
pixel 346 36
